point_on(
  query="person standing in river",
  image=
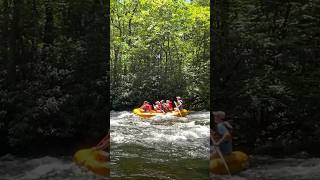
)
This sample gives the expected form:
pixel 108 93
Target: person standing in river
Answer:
pixel 222 136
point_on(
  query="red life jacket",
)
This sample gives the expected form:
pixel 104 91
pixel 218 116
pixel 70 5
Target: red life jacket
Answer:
pixel 170 106
pixel 148 107
pixel 159 106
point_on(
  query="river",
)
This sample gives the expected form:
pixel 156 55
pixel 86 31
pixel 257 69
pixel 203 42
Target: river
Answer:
pixel 160 148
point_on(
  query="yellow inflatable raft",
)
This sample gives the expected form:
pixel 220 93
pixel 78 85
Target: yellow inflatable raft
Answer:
pixel 138 112
pixel 94 160
pixel 236 161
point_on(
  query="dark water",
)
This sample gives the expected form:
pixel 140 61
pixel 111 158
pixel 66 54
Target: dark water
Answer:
pixel 267 168
pixel 264 168
pixel 158 149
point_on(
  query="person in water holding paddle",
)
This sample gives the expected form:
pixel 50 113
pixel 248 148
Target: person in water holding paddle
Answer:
pixel 222 136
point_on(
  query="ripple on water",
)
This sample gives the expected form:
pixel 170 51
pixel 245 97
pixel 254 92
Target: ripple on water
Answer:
pixel 268 168
pixel 165 146
pixel 43 168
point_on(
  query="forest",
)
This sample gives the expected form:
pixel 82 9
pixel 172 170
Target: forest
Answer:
pixel 54 67
pixel 266 73
pixel 53 74
pixel 159 50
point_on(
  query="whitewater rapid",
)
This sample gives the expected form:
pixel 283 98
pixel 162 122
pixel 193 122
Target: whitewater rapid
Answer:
pixel 158 148
pixel 183 137
pixel 14 168
pixel 163 146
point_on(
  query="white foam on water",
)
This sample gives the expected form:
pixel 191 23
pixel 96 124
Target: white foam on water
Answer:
pixel 46 169
pixel 180 135
pixel 119 115
pixel 118 139
pixel 125 115
pixel 114 123
pixel 168 117
pixel 200 114
pixel 43 168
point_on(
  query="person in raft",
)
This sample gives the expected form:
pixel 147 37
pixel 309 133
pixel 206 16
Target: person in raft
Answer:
pixel 222 136
pixel 104 147
pixel 169 105
pixel 158 107
pixel 146 107
pixel 179 105
pixel 164 106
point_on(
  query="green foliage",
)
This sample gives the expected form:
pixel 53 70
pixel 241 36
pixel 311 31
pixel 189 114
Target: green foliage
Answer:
pixel 53 82
pixel 267 79
pixel 159 50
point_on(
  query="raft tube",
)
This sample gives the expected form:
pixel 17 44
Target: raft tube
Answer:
pixel 236 161
pixel 138 112
pixel 94 160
